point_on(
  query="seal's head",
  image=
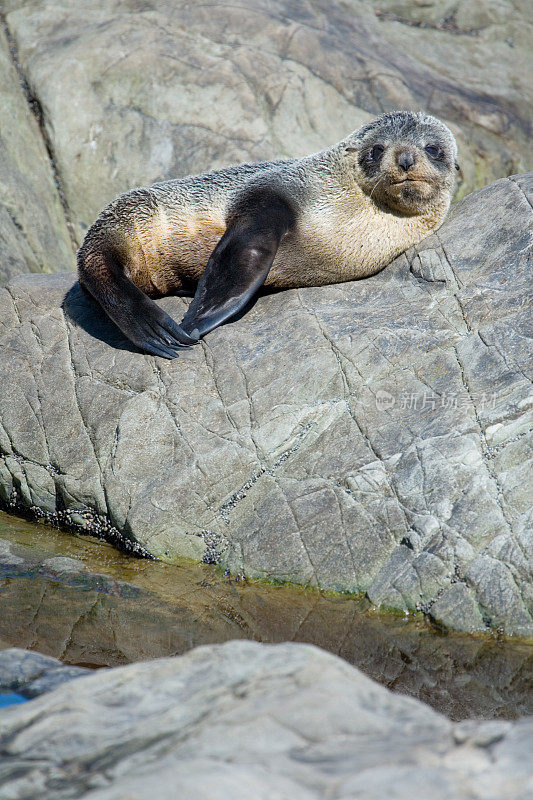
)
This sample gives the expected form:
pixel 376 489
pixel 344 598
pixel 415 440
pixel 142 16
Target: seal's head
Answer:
pixel 406 161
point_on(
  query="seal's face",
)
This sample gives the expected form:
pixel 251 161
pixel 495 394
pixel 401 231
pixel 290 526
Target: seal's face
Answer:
pixel 406 162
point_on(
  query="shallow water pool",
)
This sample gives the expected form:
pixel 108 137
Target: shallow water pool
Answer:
pixel 106 609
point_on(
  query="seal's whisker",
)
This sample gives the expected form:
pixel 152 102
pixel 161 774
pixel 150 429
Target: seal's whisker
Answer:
pixel 375 186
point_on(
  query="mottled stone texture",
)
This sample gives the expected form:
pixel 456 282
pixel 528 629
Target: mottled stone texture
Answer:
pixel 34 236
pixel 245 720
pixel 367 437
pixel 32 674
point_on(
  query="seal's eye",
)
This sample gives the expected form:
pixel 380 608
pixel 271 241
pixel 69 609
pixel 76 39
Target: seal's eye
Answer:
pixel 432 150
pixel 376 152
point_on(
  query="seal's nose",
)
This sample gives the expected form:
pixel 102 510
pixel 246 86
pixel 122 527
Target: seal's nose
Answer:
pixel 406 160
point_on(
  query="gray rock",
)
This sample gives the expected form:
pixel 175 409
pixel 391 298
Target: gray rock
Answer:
pixel 10 560
pixel 456 605
pixel 132 93
pixel 33 674
pixel 33 232
pixel 60 564
pixel 365 437
pixel 247 720
pixel 19 667
pixel 51 680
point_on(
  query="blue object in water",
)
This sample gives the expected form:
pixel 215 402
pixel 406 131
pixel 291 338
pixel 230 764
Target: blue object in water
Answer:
pixel 12 699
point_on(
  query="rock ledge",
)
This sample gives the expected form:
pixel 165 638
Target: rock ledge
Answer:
pixel 364 437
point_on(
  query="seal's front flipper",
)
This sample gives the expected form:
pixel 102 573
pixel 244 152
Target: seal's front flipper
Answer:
pixel 138 317
pixel 241 260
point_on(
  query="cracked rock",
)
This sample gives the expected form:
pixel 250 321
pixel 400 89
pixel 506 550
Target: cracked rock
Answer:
pixel 34 236
pixel 371 436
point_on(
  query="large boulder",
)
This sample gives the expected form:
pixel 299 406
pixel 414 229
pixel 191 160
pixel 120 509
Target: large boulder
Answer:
pixel 246 720
pixel 31 674
pixel 129 93
pixel 364 437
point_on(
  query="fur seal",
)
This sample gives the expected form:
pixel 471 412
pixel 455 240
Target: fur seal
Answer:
pixel 333 216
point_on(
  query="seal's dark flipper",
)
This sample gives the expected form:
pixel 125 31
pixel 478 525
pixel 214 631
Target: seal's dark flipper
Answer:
pixel 138 317
pixel 241 260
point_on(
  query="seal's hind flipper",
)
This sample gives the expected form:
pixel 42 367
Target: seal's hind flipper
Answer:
pixel 241 260
pixel 138 317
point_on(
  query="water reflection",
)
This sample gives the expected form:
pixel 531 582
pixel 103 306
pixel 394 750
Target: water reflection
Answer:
pixel 136 610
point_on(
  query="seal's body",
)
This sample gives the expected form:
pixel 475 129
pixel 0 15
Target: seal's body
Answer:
pixel 333 216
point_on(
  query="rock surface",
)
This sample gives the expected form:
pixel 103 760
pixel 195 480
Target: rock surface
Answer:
pixel 129 93
pixel 246 720
pixel 33 233
pixel 364 437
pixel 32 674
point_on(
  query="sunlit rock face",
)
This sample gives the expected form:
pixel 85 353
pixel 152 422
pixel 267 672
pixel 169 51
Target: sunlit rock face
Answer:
pixel 127 93
pixel 245 720
pixel 365 437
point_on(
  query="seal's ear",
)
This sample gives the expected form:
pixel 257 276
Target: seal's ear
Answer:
pixel 350 149
pixel 457 167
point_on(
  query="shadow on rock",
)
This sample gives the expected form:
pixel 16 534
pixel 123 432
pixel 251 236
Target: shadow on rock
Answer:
pixel 82 311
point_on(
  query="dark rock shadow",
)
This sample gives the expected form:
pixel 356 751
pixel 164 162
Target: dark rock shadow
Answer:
pixel 84 312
